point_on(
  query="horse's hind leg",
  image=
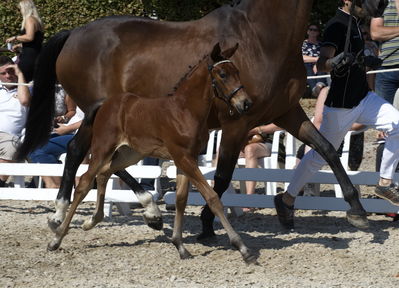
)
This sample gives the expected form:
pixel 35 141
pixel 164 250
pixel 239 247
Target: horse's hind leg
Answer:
pixel 77 150
pixel 152 215
pixel 181 201
pixel 297 123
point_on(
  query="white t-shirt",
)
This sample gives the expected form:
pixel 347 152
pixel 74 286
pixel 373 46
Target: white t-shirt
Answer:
pixel 12 113
pixel 79 115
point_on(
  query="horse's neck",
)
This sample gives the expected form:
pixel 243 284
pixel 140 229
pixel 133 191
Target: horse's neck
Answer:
pixel 282 17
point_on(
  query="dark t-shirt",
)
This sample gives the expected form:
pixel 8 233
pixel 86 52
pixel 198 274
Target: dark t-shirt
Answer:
pixel 346 90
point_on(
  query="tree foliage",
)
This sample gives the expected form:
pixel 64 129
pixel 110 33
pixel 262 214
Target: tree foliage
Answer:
pixel 66 14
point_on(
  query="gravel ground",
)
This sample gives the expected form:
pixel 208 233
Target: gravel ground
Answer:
pixel 324 251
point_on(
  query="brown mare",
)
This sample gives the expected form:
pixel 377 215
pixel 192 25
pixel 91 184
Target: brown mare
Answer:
pixel 128 128
pixel 118 55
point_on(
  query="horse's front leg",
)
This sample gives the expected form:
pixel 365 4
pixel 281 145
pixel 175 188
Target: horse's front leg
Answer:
pixel 76 151
pixel 297 123
pixel 232 140
pixel 181 202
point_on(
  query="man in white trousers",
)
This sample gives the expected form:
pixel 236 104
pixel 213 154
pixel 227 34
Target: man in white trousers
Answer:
pixel 349 100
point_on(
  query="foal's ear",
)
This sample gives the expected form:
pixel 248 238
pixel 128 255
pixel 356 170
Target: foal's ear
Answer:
pixel 219 55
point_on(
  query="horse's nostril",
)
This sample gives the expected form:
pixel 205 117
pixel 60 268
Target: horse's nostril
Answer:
pixel 247 105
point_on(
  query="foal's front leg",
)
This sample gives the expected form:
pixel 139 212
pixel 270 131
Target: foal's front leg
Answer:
pixel 191 170
pixel 181 202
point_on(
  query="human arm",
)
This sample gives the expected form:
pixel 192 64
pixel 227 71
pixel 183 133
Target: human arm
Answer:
pixel 324 63
pixel 379 32
pixel 309 59
pixel 31 26
pixel 63 129
pixel 70 111
pixel 23 93
pixel 264 129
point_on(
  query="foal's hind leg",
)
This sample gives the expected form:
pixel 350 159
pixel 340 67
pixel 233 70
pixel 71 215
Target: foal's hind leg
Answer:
pixel 181 201
pixel 98 215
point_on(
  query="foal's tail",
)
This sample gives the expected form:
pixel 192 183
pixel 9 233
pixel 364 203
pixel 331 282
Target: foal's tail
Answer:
pixel 41 111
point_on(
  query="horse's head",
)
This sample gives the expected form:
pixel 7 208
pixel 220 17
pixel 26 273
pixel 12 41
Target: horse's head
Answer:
pixel 373 8
pixel 226 80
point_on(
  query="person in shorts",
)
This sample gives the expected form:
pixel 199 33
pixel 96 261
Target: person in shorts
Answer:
pixel 14 102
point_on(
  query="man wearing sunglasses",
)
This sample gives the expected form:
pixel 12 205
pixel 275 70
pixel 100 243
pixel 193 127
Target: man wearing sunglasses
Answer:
pixel 14 101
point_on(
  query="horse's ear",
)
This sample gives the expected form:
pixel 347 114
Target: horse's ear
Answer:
pixel 215 55
pixel 226 54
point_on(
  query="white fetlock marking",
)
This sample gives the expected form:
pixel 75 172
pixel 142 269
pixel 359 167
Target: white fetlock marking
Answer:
pixel 61 207
pixel 151 208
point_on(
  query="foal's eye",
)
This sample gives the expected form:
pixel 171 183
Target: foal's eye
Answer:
pixel 222 74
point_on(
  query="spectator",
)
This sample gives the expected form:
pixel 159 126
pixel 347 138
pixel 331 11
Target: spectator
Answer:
pixel 349 100
pixel 311 52
pixel 385 29
pixel 31 37
pixel 259 146
pixel 14 101
pixel 57 145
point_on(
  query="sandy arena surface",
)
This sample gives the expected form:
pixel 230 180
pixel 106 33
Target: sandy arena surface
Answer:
pixel 324 250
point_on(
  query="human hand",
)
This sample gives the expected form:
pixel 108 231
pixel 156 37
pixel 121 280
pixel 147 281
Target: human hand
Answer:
pixel 342 62
pixel 372 62
pixel 315 69
pixel 61 129
pixel 11 39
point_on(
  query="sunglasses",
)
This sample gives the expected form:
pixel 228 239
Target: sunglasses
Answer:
pixel 313 29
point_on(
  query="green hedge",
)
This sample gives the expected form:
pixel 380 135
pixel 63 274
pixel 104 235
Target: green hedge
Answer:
pixel 67 14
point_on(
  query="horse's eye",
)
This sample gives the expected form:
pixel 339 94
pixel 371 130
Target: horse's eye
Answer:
pixel 222 74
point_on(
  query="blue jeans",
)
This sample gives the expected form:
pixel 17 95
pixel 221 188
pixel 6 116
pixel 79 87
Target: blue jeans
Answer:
pixel 386 85
pixel 50 152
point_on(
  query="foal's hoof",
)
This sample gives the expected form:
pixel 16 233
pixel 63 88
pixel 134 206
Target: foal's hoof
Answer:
pixel 358 220
pixel 53 245
pixel 185 255
pixel 154 223
pixel 251 259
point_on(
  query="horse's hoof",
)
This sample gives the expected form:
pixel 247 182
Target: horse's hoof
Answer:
pixel 154 223
pixel 206 235
pixel 53 245
pixel 53 224
pixel 358 220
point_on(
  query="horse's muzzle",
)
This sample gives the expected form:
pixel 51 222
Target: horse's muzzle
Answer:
pixel 244 106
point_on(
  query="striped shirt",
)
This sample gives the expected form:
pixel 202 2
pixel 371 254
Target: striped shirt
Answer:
pixel 391 19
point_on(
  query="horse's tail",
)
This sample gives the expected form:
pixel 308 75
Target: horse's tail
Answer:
pixel 42 105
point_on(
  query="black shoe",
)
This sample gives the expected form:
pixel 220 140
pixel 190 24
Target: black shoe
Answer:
pixel 285 213
pixel 389 193
pixel 2 183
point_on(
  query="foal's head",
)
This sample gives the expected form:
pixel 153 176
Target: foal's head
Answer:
pixel 226 81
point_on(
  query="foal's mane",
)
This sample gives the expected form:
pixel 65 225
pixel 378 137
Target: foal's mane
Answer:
pixel 190 72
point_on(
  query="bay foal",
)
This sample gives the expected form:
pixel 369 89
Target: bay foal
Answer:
pixel 128 128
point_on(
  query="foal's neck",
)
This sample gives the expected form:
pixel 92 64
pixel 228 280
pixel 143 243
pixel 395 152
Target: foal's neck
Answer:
pixel 196 84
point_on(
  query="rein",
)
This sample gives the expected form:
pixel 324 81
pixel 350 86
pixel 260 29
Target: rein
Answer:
pixel 216 88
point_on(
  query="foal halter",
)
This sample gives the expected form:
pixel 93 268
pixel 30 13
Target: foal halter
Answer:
pixel 226 98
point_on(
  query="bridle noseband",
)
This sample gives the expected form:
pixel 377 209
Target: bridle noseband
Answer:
pixel 217 90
